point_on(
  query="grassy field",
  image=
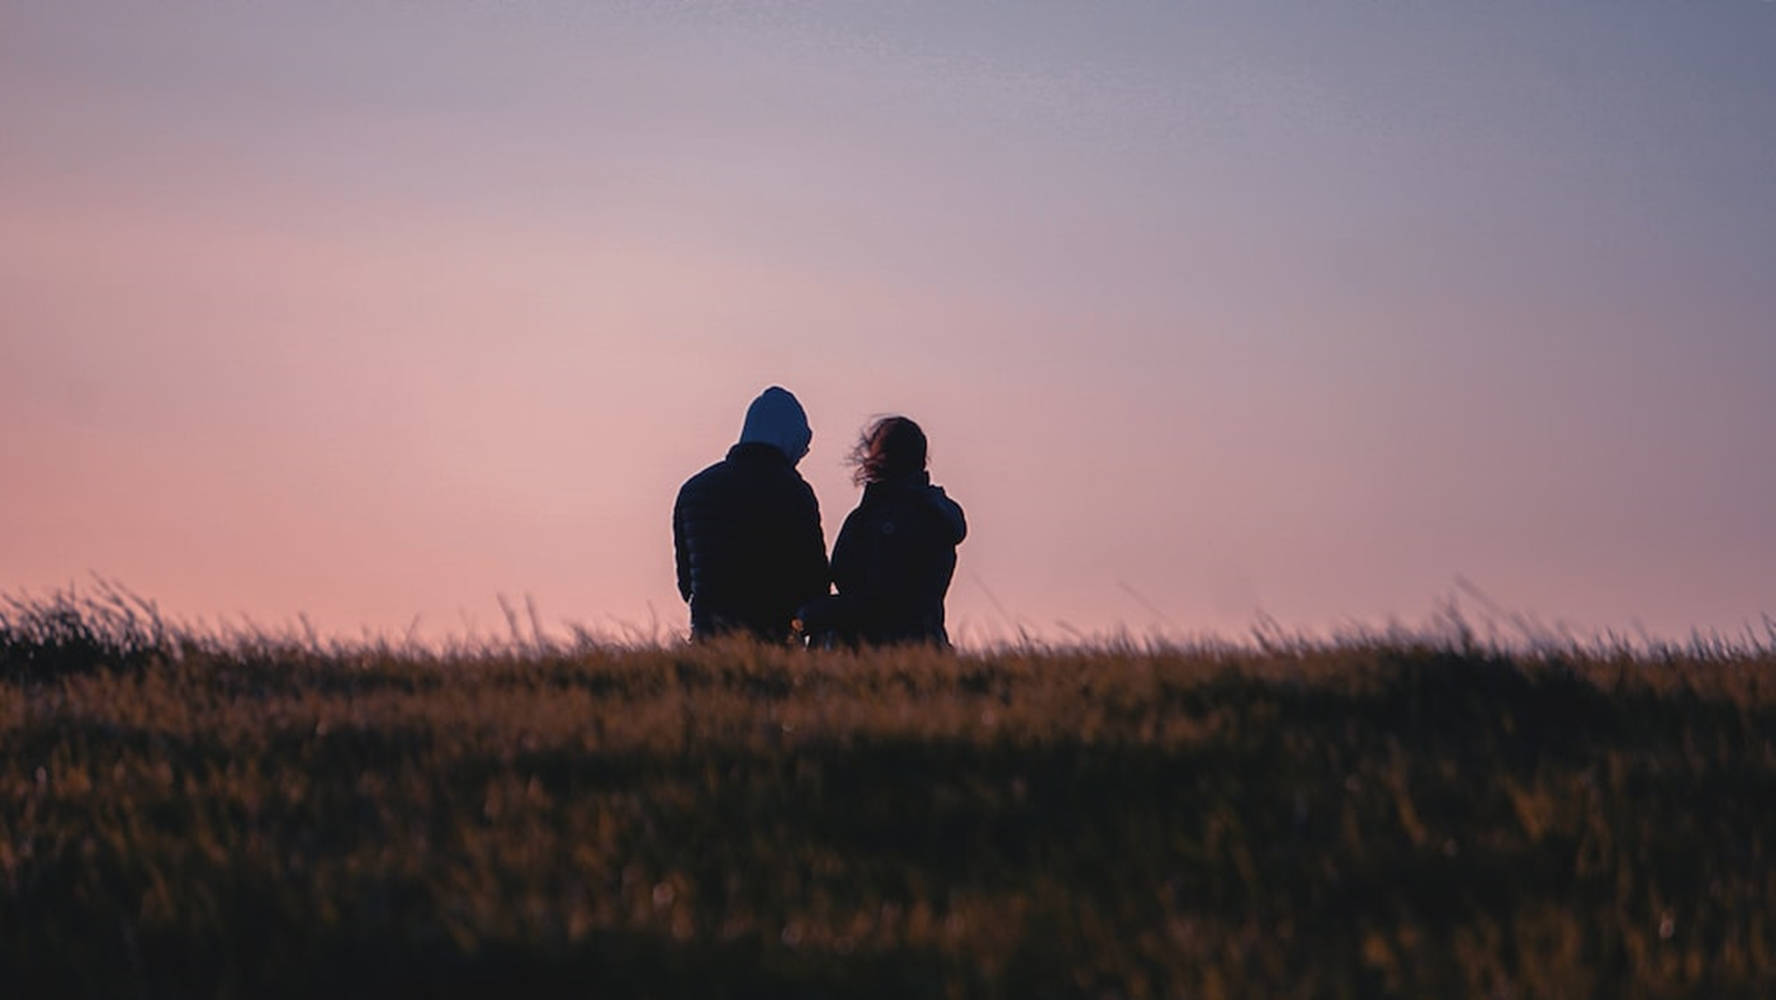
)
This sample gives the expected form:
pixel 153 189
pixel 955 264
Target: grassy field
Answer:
pixel 203 815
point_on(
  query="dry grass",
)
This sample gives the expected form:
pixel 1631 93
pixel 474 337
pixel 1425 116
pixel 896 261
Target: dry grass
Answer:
pixel 245 815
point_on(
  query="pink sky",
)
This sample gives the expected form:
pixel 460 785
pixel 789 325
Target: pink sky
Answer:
pixel 1220 308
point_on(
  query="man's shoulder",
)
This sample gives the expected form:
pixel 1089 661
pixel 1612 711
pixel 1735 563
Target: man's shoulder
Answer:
pixel 706 478
pixel 730 473
pixel 758 465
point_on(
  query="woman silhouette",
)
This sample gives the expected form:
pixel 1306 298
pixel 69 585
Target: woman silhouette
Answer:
pixel 896 553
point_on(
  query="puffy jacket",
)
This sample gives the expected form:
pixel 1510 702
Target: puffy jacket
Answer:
pixel 894 559
pixel 750 551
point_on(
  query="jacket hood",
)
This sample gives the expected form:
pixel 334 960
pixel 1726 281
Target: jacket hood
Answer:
pixel 776 418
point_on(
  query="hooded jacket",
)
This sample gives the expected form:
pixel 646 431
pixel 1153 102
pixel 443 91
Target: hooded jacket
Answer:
pixel 894 559
pixel 746 530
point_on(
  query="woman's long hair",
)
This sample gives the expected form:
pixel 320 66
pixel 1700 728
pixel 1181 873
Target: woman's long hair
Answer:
pixel 890 448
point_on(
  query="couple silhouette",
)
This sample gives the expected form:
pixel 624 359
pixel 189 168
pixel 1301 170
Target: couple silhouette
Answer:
pixel 752 557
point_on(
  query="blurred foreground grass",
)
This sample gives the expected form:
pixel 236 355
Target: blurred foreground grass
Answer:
pixel 192 815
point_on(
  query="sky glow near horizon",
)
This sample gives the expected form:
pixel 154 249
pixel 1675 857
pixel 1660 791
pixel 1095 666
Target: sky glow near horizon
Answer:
pixel 376 311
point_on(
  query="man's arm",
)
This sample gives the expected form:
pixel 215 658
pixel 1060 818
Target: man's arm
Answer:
pixel 680 549
pixel 813 575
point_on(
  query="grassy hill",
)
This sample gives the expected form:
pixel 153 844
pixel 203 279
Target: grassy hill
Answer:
pixel 205 815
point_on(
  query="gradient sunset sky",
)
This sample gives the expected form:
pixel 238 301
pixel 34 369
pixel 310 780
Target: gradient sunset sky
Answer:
pixel 379 310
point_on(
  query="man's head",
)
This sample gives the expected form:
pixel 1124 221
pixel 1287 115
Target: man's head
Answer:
pixel 777 419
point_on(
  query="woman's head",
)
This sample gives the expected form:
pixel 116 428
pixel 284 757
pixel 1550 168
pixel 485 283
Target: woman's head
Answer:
pixel 890 448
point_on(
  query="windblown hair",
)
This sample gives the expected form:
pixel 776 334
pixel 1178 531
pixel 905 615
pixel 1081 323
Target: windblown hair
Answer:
pixel 890 448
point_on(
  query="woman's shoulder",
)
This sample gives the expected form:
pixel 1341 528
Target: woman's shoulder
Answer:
pixel 948 511
pixel 920 503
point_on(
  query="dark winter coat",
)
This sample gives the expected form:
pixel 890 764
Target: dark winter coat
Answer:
pixel 894 559
pixel 750 551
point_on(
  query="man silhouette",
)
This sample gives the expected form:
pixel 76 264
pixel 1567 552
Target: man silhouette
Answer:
pixel 746 530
